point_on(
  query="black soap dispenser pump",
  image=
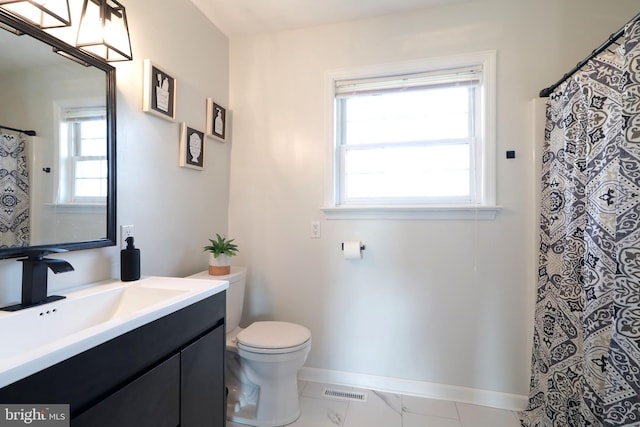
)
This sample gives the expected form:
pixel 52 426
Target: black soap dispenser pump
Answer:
pixel 129 262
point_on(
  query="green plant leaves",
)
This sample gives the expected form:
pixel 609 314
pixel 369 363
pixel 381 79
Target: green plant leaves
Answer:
pixel 221 246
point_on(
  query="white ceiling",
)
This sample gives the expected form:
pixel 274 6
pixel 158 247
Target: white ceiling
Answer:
pixel 246 17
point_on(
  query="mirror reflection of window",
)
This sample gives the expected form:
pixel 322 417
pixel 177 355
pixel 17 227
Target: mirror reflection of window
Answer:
pixel 83 156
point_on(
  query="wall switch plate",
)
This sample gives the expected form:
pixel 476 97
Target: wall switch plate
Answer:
pixel 315 229
pixel 125 231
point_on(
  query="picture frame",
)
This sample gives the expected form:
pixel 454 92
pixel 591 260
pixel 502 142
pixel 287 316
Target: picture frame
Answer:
pixel 192 147
pixel 217 126
pixel 160 91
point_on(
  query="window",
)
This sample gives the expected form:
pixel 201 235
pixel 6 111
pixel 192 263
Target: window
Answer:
pixel 83 156
pixel 413 135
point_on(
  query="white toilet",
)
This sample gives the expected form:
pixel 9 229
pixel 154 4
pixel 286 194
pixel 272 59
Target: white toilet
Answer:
pixel 262 362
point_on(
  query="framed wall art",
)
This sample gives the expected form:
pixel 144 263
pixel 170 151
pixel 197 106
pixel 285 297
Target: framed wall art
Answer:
pixel 191 147
pixel 159 94
pixel 216 120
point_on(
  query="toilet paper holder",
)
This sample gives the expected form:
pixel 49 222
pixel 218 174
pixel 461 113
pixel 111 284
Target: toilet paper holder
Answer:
pixel 362 248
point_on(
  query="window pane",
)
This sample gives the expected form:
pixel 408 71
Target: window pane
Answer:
pixel 91 187
pixel 423 171
pixel 93 141
pixel 414 115
pixel 91 169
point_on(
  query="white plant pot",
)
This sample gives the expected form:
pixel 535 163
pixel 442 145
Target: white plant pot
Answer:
pixel 219 266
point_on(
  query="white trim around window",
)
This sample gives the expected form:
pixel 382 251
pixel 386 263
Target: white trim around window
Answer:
pixel 485 209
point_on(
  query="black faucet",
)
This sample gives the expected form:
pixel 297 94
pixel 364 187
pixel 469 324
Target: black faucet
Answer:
pixel 34 278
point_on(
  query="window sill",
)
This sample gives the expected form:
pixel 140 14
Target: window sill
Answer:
pixel 78 207
pixel 435 212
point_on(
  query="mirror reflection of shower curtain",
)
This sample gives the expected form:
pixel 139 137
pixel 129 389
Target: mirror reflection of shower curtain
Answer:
pixel 14 192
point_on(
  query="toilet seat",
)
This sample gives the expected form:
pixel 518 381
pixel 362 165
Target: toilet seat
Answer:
pixel 273 337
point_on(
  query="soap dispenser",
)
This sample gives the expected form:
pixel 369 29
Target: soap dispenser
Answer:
pixel 129 262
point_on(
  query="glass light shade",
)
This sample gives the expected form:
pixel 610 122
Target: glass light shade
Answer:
pixel 41 13
pixel 103 30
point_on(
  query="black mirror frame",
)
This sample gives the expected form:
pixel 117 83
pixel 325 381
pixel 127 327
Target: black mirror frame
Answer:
pixel 21 27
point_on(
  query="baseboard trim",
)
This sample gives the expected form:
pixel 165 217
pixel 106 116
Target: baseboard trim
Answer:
pixel 512 402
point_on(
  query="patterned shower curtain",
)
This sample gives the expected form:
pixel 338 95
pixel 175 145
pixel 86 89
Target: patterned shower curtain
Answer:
pixel 14 192
pixel 586 355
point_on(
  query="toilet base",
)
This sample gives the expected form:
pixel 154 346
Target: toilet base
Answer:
pixel 268 406
pixel 247 415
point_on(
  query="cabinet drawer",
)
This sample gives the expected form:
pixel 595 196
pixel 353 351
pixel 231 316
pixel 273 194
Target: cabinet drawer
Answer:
pixel 150 401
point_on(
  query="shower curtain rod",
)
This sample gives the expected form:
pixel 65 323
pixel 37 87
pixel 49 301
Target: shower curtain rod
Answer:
pixel 26 132
pixel 544 93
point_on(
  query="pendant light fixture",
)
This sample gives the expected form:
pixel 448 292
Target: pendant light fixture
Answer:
pixel 41 13
pixel 103 30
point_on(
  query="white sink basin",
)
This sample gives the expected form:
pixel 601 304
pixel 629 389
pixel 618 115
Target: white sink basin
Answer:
pixel 39 337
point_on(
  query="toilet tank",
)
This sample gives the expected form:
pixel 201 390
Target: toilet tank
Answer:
pixel 235 294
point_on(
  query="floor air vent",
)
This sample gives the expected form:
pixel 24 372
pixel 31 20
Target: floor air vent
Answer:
pixel 345 394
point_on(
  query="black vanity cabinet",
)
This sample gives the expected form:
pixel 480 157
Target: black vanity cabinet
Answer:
pixel 169 372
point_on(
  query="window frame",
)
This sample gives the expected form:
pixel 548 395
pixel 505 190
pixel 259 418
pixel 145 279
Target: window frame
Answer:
pixel 484 208
pixel 65 176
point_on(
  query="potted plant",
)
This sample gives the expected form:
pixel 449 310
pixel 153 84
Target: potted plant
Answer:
pixel 220 252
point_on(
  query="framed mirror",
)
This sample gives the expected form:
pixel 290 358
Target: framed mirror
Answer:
pixel 57 144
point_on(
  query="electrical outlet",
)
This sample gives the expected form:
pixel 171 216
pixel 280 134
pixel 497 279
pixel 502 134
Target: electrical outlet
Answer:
pixel 315 229
pixel 125 231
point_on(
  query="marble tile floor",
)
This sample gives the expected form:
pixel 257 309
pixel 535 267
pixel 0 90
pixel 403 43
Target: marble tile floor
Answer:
pixel 390 410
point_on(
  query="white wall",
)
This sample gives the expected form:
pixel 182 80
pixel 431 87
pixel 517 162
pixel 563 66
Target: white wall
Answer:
pixel 433 302
pixel 173 209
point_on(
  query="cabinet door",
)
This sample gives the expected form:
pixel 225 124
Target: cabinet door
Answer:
pixel 202 390
pixel 149 401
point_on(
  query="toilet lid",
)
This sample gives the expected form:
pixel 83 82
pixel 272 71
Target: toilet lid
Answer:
pixel 273 335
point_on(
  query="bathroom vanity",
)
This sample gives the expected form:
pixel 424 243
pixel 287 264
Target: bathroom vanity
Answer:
pixel 167 372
